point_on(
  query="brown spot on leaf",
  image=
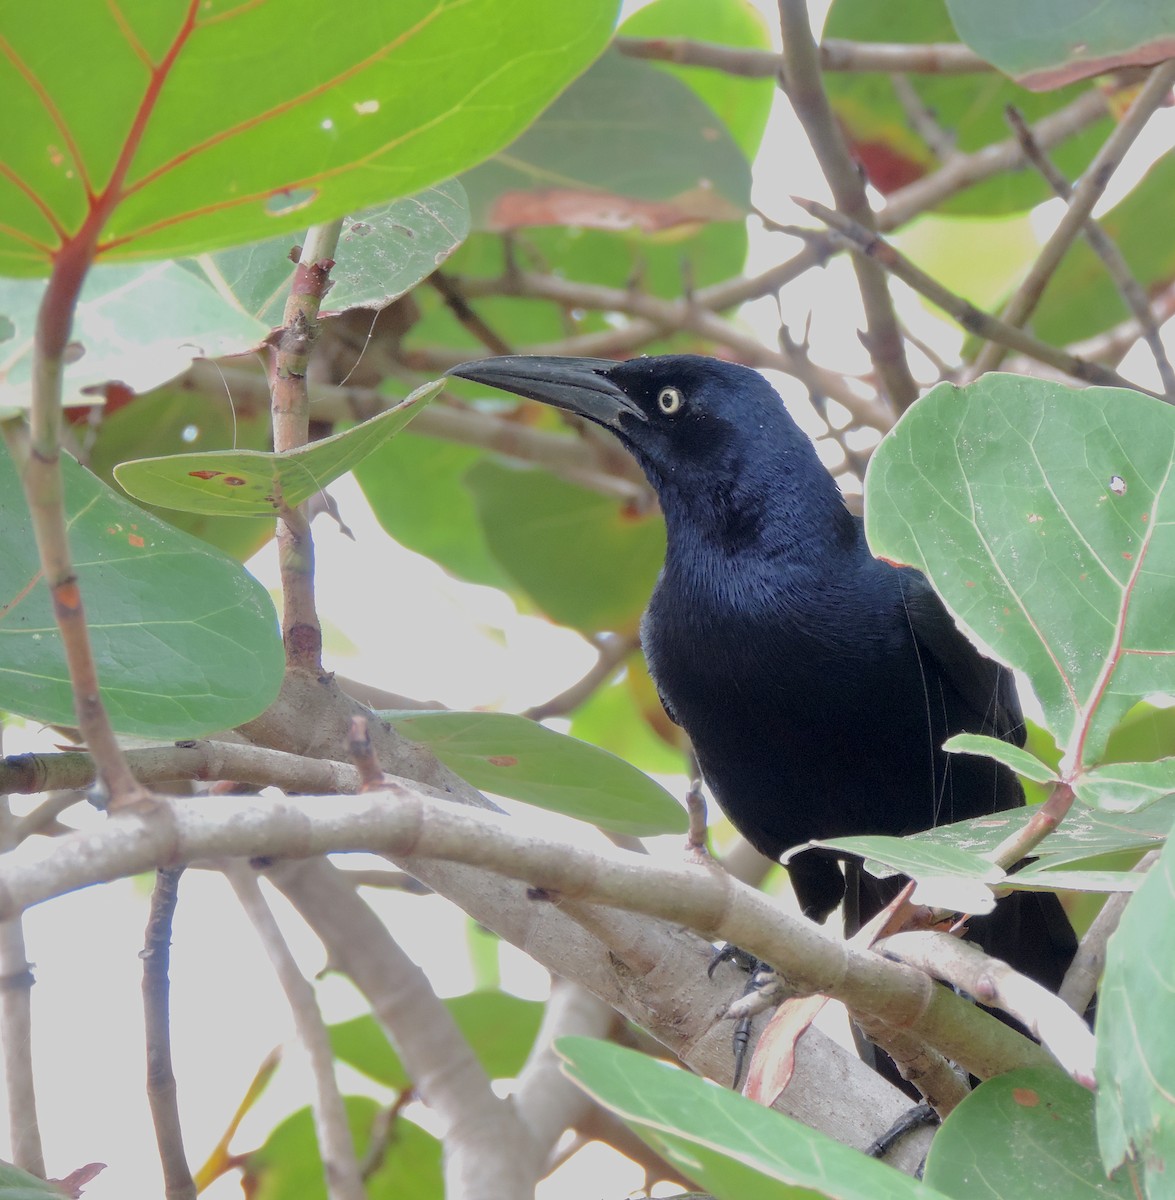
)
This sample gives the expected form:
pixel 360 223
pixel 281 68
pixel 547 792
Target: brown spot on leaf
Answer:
pixel 1026 1097
pixel 1127 556
pixel 205 474
pixel 136 541
pixel 603 210
pixel 234 481
pixel 502 760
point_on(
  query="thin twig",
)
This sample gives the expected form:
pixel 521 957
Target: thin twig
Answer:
pixel 1085 971
pixel 16 1027
pixel 301 631
pixel 612 650
pixel 1085 195
pixel 450 292
pixel 922 120
pixel 805 89
pixel 970 318
pixel 340 1167
pixel 1105 248
pixel 995 984
pixel 836 54
pixel 161 1088
pixel 966 170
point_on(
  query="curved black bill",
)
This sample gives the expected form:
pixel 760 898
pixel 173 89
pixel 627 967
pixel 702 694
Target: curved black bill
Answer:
pixel 579 385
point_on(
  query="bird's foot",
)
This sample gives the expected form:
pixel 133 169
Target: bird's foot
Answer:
pixel 761 992
pixel 913 1118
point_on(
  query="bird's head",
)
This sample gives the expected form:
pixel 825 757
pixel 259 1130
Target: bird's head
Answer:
pixel 689 421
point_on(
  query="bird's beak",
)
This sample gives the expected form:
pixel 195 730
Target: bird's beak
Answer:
pixel 579 385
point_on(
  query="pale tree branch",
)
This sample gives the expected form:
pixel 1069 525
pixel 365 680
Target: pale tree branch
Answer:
pixel 1085 195
pixel 403 820
pixel 488 1152
pixel 836 54
pixel 1131 291
pixel 340 1166
pixel 16 1025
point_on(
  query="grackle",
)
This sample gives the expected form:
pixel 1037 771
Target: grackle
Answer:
pixel 816 682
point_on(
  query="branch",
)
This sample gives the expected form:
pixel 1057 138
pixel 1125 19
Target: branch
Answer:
pixel 340 1166
pixel 301 631
pixel 965 170
pixel 1103 246
pixel 1085 971
pixel 994 983
pixel 403 820
pixel 805 89
pixel 863 242
pixel 161 1089
pixel 16 1028
pixel 488 1155
pixel 1085 195
pixel 836 54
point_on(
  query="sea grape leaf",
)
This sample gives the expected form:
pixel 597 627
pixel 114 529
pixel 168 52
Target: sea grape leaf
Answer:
pixel 186 641
pixel 513 756
pixel 1043 518
pixel 250 483
pixel 200 143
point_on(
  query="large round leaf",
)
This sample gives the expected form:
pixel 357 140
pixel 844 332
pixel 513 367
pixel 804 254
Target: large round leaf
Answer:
pixel 1041 515
pixel 185 640
pixel 223 122
pixel 511 756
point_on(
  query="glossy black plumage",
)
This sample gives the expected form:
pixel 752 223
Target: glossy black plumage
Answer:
pixel 817 683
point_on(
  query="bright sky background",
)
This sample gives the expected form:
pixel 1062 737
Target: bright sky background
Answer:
pixel 423 634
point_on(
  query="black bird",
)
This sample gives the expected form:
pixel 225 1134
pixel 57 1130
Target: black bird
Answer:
pixel 816 682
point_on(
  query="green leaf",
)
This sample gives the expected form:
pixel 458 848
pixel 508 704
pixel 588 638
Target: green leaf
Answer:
pixel 743 104
pixel 415 486
pixel 382 253
pixel 288 1166
pixel 1085 832
pixel 732 1147
pixel 1037 879
pixel 1026 1133
pixel 248 483
pixel 1135 1051
pixel 1038 514
pixel 1125 787
pixel 175 421
pixel 626 145
pixel 139 325
pixel 1044 45
pixel 499 1028
pixel 1020 761
pixel 200 143
pixel 16 1184
pixel 611 719
pixel 511 756
pixel 584 559
pixel 969 107
pixel 185 640
pixel 947 877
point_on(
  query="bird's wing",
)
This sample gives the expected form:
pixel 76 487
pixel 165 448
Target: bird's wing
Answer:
pixel 987 688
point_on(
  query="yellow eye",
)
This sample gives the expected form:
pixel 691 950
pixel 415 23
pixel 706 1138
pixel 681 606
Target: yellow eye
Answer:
pixel 669 400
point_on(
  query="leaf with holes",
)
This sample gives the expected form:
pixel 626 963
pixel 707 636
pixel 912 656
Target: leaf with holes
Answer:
pixel 514 757
pixel 185 640
pixel 382 253
pixel 1044 44
pixel 201 141
pixel 1044 518
pixel 248 483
